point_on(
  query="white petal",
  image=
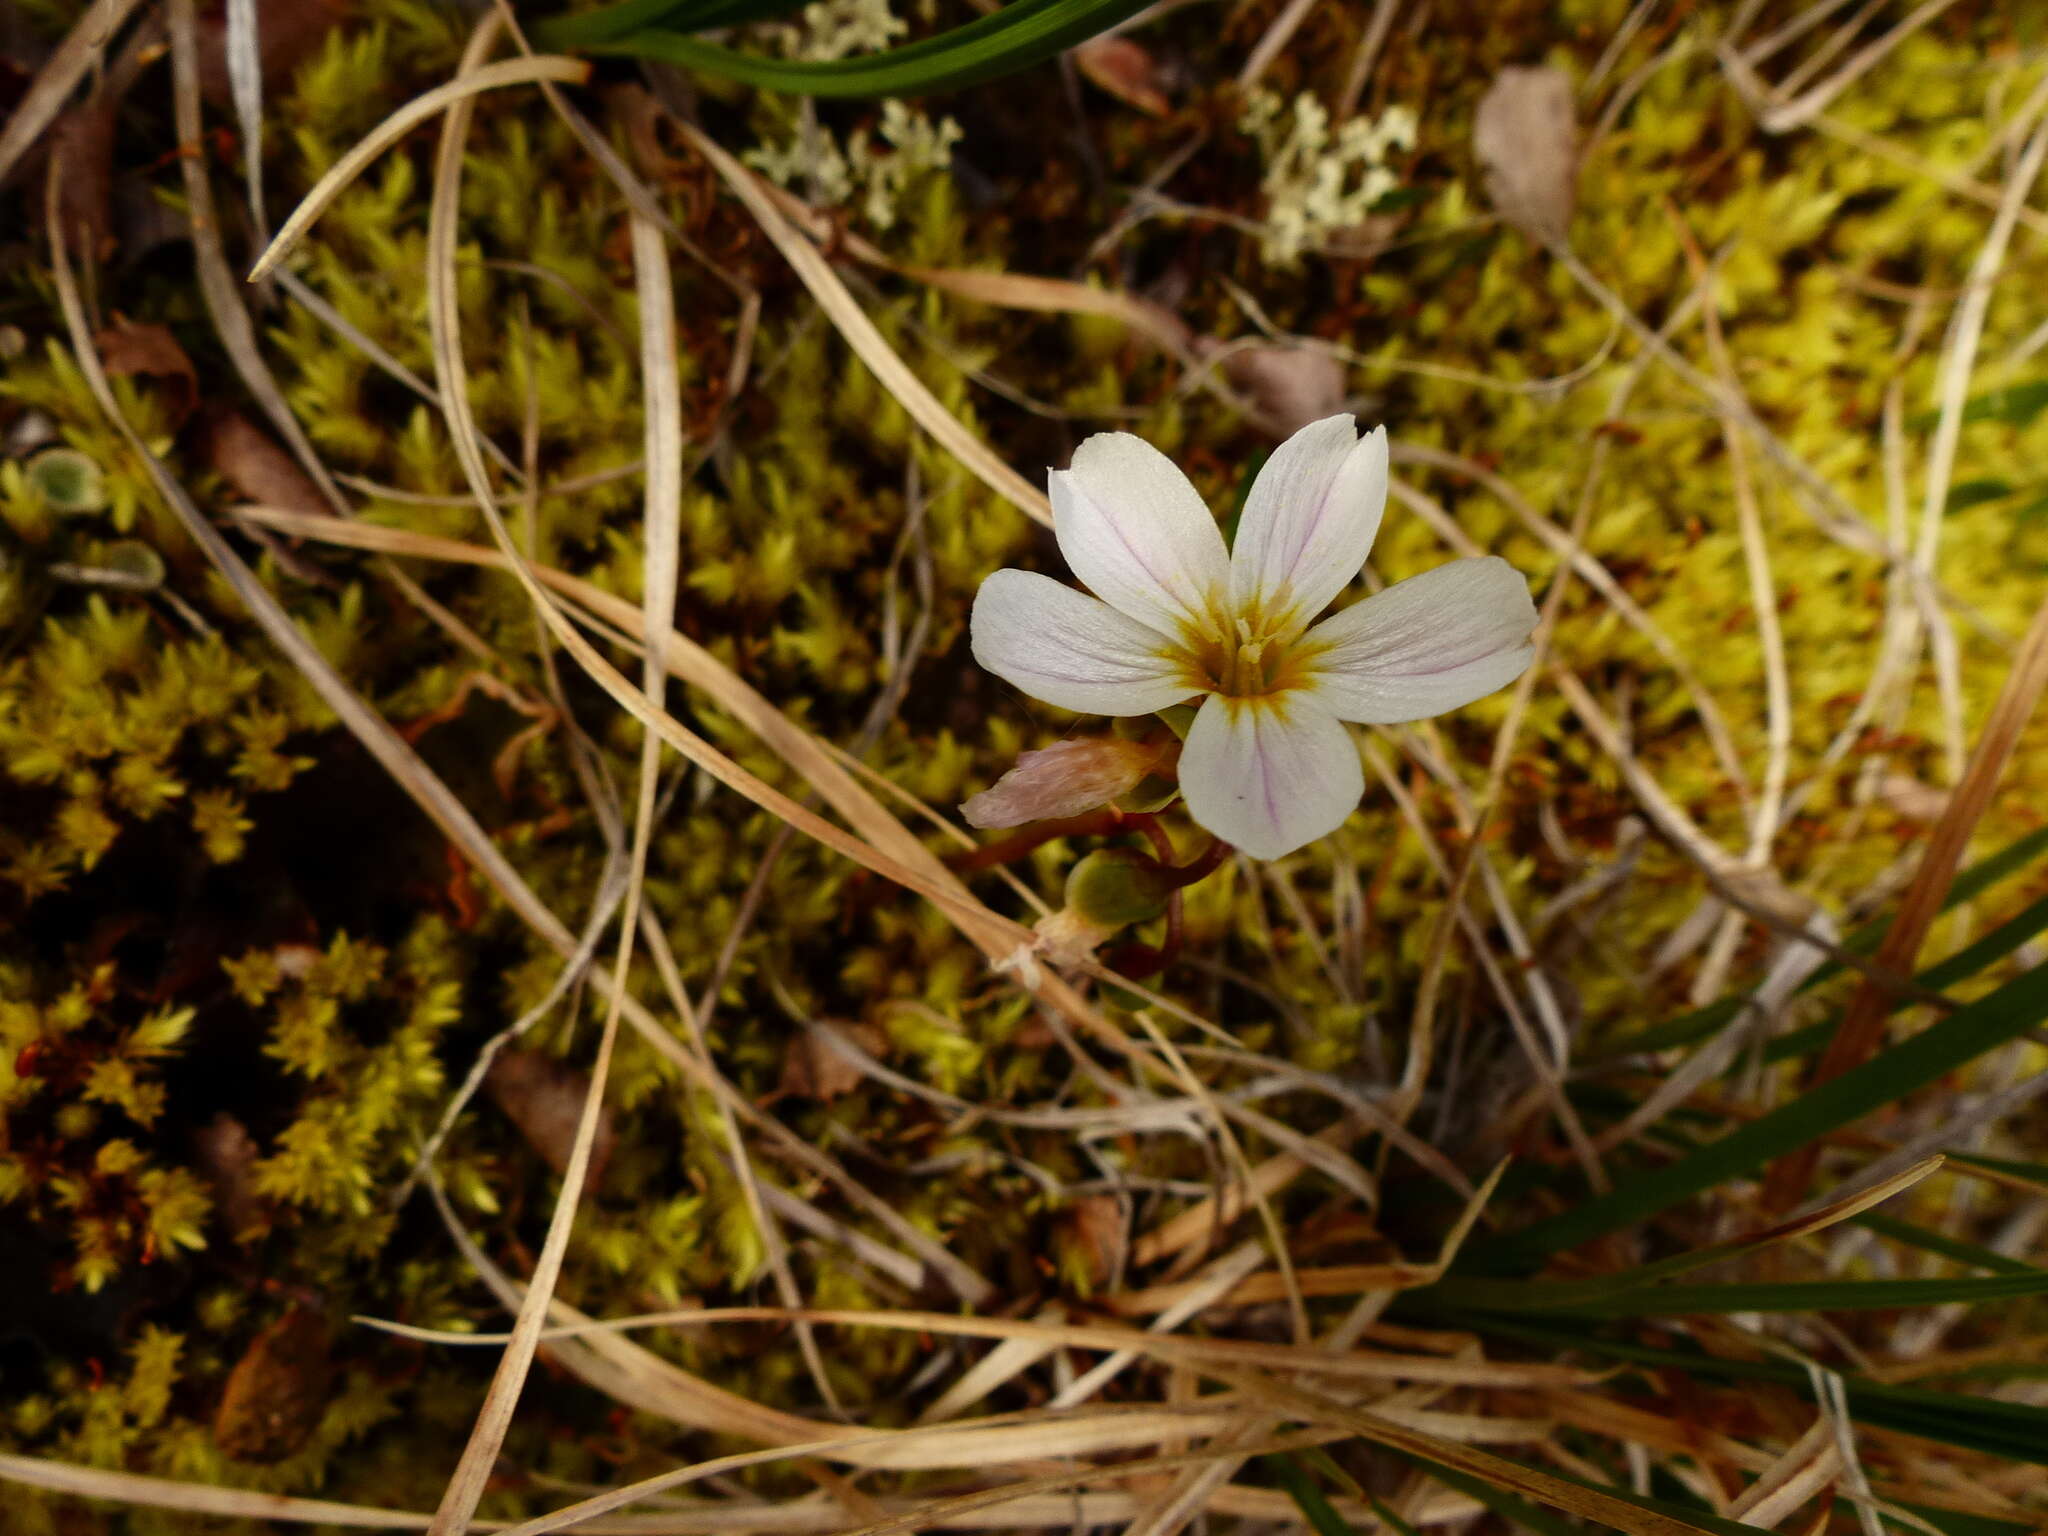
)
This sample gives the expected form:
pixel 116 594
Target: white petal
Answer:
pixel 1137 533
pixel 1309 521
pixel 1066 648
pixel 1269 774
pixel 1424 646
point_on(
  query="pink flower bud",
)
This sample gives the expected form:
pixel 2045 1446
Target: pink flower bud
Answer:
pixel 1065 779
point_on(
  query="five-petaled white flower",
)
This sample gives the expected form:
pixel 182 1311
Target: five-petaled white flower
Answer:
pixel 1268 765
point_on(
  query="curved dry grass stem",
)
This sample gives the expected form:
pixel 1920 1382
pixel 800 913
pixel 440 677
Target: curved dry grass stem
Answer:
pixel 488 77
pixel 1315 1358
pixel 873 349
pixel 1273 41
pixel 68 64
pixel 1768 814
pixel 661 577
pixel 494 1418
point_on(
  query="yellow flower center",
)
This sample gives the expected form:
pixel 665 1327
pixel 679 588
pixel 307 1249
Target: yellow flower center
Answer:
pixel 1242 658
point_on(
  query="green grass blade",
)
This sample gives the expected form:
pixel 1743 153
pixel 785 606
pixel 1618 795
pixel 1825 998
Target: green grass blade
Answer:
pixel 1940 1242
pixel 702 15
pixel 1314 1505
pixel 588 29
pixel 1954 1522
pixel 1570 1300
pixel 1522 1514
pixel 1689 1028
pixel 1021 34
pixel 1992 1021
pixel 2017 405
pixel 2016 1431
pixel 1960 966
pixel 2033 1173
pixel 1391 1519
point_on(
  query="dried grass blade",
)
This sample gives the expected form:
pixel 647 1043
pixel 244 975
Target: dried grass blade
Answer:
pixel 245 85
pixel 217 285
pixel 1193 1351
pixel 1055 295
pixel 64 68
pixel 473 1471
pixel 972 916
pixel 866 340
pixel 198 1499
pixel 528 71
pixel 906 861
pixel 392 753
pixel 939 1512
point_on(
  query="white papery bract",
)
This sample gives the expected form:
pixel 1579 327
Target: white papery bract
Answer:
pixel 1268 765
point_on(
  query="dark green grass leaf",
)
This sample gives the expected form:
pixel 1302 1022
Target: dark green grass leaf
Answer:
pixel 1971 883
pixel 1992 1021
pixel 1960 966
pixel 2035 1173
pixel 2015 1431
pixel 1940 1242
pixel 1523 1515
pixel 1315 1507
pixel 2016 405
pixel 1569 1299
pixel 1022 33
pixel 1953 1522
pixel 1975 493
pixel 1393 1521
pixel 587 29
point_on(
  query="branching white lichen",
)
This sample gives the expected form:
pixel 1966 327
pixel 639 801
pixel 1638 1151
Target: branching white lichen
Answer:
pixel 1318 183
pixel 833 29
pixel 874 170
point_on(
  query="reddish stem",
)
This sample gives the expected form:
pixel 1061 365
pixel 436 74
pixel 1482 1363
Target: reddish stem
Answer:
pixel 1018 844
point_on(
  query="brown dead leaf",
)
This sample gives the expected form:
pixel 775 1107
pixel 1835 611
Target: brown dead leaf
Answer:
pixel 246 456
pixel 1094 1231
pixel 1125 70
pixel 811 1069
pixel 227 1156
pixel 1527 138
pixel 150 351
pixel 1065 779
pixel 242 454
pixel 1289 386
pixel 1906 796
pixel 278 1390
pixel 544 1098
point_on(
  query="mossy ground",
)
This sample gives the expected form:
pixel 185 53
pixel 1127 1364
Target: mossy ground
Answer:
pixel 241 973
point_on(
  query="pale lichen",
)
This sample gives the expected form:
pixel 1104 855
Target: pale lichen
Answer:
pixel 1318 182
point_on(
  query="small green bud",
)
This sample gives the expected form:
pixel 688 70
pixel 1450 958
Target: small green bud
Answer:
pixel 134 564
pixel 68 481
pixel 1114 887
pixel 128 564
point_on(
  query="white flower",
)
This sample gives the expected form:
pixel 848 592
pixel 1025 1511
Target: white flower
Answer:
pixel 1268 765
